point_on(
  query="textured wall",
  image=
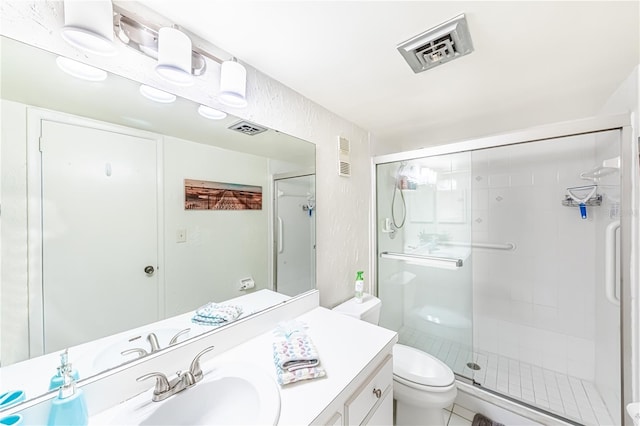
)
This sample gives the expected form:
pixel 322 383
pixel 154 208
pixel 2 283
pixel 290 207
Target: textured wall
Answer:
pixel 342 203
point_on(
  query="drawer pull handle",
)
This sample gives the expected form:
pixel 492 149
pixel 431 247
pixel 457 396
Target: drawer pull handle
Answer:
pixel 377 393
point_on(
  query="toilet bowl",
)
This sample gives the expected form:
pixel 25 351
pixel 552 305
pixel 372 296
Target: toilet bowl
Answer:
pixel 422 384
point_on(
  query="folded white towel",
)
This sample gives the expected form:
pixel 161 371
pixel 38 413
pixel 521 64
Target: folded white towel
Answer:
pixel 216 314
pixel 295 353
pixel 296 358
pixel 286 377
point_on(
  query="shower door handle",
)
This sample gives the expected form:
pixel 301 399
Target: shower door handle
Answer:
pixel 280 234
pixel 610 262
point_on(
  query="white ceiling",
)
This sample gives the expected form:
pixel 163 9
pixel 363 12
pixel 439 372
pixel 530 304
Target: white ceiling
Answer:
pixel 534 62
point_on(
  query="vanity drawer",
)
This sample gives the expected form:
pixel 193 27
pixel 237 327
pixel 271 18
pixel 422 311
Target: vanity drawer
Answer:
pixel 370 394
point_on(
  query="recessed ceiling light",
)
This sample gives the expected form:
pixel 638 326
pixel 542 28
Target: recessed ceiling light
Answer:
pixel 80 70
pixel 157 95
pixel 210 113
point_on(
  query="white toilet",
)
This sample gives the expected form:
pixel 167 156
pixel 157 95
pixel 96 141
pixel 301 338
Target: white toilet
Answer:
pixel 422 384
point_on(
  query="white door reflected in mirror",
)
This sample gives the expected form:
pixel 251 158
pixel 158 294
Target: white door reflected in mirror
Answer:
pixel 99 231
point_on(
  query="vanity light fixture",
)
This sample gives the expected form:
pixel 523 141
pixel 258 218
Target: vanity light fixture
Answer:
pixel 80 70
pixel 178 60
pixel 211 113
pixel 233 84
pixel 157 95
pixel 174 56
pixel 88 25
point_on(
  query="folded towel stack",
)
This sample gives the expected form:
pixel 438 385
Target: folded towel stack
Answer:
pixel 295 357
pixel 216 314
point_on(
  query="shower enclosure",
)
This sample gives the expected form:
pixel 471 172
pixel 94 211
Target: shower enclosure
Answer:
pixel 295 233
pixel 502 257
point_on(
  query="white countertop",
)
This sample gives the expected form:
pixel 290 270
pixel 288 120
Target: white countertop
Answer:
pixel 346 347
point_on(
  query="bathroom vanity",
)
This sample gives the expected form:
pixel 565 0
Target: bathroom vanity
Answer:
pixel 356 356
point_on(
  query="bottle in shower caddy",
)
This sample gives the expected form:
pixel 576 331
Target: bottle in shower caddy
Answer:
pixel 359 293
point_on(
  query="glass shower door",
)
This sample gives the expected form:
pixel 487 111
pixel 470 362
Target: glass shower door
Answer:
pixel 295 234
pixel 424 272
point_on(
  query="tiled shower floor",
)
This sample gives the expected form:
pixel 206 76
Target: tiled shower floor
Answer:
pixel 567 396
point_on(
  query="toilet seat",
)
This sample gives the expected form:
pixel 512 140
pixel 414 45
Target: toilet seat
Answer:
pixel 418 369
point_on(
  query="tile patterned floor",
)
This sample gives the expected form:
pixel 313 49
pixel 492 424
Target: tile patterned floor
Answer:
pixel 567 396
pixel 457 416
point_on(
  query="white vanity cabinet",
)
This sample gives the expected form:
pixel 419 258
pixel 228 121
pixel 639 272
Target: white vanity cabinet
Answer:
pixel 370 402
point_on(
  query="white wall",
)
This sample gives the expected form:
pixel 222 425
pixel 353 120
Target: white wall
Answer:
pixel 342 223
pixel 222 246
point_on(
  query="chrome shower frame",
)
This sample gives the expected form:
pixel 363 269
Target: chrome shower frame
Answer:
pixel 630 223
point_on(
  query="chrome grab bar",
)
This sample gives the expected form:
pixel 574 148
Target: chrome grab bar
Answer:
pixel 494 246
pixel 444 262
pixel 610 283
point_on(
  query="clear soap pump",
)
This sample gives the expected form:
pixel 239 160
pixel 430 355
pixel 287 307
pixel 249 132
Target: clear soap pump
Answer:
pixel 58 379
pixel 359 291
pixel 70 406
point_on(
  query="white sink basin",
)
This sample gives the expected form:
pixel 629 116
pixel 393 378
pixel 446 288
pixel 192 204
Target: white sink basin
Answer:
pixel 227 395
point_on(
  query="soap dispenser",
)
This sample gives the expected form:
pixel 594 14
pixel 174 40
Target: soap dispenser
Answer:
pixel 58 379
pixel 359 290
pixel 69 407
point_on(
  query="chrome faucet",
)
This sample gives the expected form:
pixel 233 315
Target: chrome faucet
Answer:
pixel 141 352
pixel 174 339
pixel 155 345
pixel 183 380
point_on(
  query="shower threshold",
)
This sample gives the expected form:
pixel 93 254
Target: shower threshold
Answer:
pixel 566 396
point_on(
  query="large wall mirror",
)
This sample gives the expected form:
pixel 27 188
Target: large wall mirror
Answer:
pixel 119 212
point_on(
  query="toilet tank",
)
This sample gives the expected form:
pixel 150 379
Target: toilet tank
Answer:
pixel 368 310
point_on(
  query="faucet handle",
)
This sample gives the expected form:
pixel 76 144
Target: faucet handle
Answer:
pixel 141 352
pixel 153 342
pixel 162 383
pixel 195 369
pixel 174 339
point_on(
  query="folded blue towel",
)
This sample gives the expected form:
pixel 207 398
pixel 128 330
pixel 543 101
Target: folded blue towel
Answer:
pixel 216 314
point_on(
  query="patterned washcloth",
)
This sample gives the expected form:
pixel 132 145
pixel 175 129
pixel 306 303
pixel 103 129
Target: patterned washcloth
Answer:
pixel 216 314
pixel 296 359
pixel 287 329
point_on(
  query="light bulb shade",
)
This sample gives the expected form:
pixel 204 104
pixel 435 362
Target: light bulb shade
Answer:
pixel 211 113
pixel 174 56
pixel 157 95
pixel 80 70
pixel 233 84
pixel 88 25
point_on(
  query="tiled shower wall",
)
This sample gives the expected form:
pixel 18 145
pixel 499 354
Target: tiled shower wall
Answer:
pixel 536 303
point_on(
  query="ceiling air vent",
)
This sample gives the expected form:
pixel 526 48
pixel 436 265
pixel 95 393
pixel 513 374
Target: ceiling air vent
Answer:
pixel 247 128
pixel 438 45
pixel 344 157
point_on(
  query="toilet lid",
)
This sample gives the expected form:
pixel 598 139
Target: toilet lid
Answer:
pixel 420 367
